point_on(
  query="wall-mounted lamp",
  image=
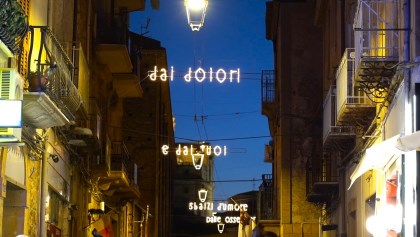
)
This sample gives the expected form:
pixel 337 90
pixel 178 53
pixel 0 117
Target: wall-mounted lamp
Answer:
pixel 221 227
pixel 202 194
pixel 196 12
pixel 197 160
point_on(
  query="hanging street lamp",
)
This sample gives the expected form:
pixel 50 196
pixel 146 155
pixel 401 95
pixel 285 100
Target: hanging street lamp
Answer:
pixel 202 194
pixel 221 227
pixel 196 12
pixel 197 160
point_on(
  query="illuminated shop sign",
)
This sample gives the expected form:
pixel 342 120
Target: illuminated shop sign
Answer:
pixel 191 150
pixel 199 75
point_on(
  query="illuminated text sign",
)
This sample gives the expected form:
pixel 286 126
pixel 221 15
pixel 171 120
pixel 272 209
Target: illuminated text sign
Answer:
pixel 204 206
pixel 227 219
pixel 191 150
pixel 199 75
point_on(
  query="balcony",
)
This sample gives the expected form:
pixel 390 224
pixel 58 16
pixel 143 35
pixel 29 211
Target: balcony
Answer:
pixel 112 51
pixel 268 96
pixel 100 164
pixel 53 99
pixel 266 198
pixel 353 106
pixel 268 220
pixel 377 35
pixel 333 133
pixel 13 28
pixel 121 183
pixel 322 180
pixel 267 91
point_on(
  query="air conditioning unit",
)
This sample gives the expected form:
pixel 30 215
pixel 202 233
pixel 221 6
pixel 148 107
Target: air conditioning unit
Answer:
pixel 11 88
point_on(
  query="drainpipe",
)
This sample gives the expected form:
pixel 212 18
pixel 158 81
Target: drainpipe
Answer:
pixel 44 191
pixel 407 84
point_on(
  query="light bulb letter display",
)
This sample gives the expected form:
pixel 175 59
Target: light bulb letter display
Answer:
pixel 164 74
pixel 203 206
pixel 152 75
pixel 213 219
pixel 172 73
pixel 197 75
pixel 200 75
pixel 233 72
pixel 190 150
pixel 211 74
pixel 223 78
pixel 165 149
pixel 187 76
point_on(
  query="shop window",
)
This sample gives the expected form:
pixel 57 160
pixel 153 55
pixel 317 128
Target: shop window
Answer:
pixel 54 204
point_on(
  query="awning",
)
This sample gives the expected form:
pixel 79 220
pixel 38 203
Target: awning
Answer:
pixel 381 155
pixel 409 142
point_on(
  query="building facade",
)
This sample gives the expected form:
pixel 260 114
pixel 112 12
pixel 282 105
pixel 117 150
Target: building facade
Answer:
pixel 70 165
pixel 292 97
pixel 361 169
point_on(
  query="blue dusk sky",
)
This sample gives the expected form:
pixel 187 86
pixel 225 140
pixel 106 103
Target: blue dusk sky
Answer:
pixel 228 114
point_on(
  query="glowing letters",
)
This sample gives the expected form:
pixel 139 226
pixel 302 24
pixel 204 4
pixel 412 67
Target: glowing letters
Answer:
pixel 207 150
pixel 222 207
pixel 190 150
pixel 199 75
pixel 165 149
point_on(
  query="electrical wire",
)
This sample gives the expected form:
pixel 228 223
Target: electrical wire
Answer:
pixel 226 139
pixel 181 76
pixel 217 115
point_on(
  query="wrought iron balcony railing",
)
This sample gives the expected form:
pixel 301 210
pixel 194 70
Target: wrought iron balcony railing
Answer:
pixel 352 102
pixel 377 30
pixel 266 199
pixel 322 179
pixel 267 86
pixel 13 26
pixel 54 71
pixel 331 130
pixel 120 162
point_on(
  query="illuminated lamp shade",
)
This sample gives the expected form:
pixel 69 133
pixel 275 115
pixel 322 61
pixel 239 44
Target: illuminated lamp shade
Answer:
pixel 221 227
pixel 196 12
pixel 202 194
pixel 197 160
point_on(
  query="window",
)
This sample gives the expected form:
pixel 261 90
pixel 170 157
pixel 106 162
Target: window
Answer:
pixel 54 204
